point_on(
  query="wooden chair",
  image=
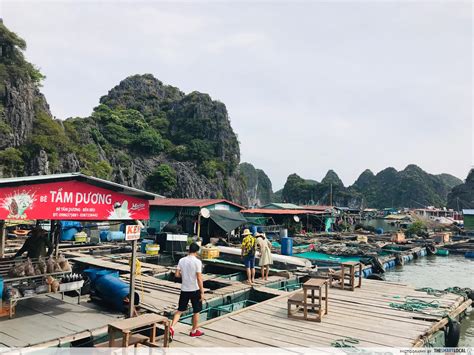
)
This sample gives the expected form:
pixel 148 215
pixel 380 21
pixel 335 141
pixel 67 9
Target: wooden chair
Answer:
pixel 310 304
pixel 346 277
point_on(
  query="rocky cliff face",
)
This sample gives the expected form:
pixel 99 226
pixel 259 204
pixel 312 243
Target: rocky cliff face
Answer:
pixel 258 186
pixel 19 98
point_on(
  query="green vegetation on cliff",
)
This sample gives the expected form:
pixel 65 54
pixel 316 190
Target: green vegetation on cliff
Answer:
pixel 462 195
pixel 330 189
pixel 411 187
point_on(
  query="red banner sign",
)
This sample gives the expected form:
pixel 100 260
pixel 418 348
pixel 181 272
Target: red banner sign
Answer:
pixel 70 200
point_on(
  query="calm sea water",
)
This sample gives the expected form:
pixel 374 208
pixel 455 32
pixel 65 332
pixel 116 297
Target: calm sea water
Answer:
pixel 440 272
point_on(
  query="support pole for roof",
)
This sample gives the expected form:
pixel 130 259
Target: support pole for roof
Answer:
pixel 199 227
pixel 54 237
pixel 133 265
pixel 2 239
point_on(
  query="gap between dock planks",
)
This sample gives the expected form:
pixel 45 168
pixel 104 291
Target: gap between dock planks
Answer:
pixel 336 316
pixel 353 305
pixel 263 311
pixel 306 330
pixel 356 313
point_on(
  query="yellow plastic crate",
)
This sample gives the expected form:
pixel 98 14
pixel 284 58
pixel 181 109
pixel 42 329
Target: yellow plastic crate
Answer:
pixel 152 249
pixel 209 253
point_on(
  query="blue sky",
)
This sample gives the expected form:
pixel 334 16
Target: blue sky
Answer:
pixel 309 85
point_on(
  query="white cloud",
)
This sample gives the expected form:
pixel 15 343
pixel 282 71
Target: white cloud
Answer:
pixel 310 86
pixel 243 40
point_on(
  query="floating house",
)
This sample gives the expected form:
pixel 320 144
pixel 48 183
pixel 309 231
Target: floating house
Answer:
pixel 223 216
pixel 468 220
pixel 309 220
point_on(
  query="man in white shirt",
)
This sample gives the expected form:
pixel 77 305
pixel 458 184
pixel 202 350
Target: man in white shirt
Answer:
pixel 192 289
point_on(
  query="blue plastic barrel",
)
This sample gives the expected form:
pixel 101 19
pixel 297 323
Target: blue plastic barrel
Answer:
pixel 103 235
pixel 144 243
pixel 93 274
pixel 113 291
pixel 286 246
pixel 379 230
pixel 260 229
pixel 68 229
pixel 115 236
pixel 253 230
pixel 469 254
pixel 1 287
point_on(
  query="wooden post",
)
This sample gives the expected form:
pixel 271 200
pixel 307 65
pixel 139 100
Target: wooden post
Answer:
pixel 131 297
pixel 199 226
pixel 2 239
pixel 54 234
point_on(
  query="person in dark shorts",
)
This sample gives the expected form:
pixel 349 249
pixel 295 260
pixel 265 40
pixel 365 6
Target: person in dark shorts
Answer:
pixel 192 289
pixel 248 255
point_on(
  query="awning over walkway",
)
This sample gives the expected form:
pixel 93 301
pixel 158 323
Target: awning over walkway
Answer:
pixel 227 220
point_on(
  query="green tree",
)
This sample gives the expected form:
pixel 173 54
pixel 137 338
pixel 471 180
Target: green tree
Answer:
pixel 416 228
pixel 11 162
pixel 162 180
pixel 200 150
pixel 148 141
pixel 210 168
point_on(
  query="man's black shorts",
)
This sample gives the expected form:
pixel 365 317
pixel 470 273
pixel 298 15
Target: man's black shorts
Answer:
pixel 194 297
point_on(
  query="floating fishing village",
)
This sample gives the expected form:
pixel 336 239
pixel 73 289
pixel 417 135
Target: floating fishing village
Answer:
pixel 168 177
pixel 325 287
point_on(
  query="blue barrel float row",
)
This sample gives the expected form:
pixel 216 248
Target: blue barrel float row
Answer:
pixel 389 264
pixel 366 272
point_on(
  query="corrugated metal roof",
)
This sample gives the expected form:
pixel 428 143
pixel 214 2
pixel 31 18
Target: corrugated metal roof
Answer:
pixel 318 207
pixel 284 206
pixel 468 212
pixel 280 211
pixel 190 202
pixel 39 179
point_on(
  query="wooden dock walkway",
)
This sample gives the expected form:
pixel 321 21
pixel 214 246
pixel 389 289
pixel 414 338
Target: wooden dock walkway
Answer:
pixel 364 314
pixel 47 321
pixel 161 296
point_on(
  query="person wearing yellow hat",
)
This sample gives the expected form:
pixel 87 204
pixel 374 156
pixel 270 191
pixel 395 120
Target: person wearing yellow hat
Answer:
pixel 248 254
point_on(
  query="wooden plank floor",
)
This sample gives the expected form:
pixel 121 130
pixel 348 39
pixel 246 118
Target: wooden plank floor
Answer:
pixel 161 296
pixel 45 319
pixel 98 262
pixel 364 314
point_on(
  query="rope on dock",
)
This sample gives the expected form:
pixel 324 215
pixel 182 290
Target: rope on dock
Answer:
pixel 419 306
pixel 464 292
pixel 345 343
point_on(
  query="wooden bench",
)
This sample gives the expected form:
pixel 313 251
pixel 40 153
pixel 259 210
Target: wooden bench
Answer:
pixel 127 326
pixel 133 340
pixel 346 277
